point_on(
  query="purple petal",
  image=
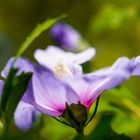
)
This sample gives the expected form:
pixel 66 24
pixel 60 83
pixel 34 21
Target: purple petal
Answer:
pixel 137 68
pixel 65 35
pixel 103 79
pixel 86 91
pixel 1 86
pixel 22 63
pixel 123 68
pixel 25 115
pixel 6 69
pixel 50 95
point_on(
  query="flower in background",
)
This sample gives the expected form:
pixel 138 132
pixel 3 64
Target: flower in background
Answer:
pixel 63 63
pixel 65 35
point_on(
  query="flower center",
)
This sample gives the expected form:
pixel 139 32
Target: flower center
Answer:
pixel 60 69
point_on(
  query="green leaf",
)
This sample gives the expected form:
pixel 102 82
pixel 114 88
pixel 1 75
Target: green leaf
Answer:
pixel 36 32
pixel 13 90
pixel 126 106
pixel 7 88
pixel 103 130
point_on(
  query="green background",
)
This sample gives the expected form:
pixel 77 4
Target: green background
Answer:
pixel 111 26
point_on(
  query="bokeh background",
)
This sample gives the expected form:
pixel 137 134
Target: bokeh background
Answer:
pixel 111 26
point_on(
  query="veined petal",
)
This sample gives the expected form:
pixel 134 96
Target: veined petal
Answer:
pixel 50 95
pixel 86 91
pixel 25 115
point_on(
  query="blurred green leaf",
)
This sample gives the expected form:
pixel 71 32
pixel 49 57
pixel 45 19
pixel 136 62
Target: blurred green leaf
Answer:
pixel 112 17
pixel 6 90
pixel 126 106
pixel 15 133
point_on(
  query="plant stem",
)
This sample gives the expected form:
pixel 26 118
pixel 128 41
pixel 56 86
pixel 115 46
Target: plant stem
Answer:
pixel 95 110
pixel 80 130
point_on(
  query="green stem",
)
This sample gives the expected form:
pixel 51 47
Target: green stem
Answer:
pixel 80 130
pixel 95 110
pixel 62 121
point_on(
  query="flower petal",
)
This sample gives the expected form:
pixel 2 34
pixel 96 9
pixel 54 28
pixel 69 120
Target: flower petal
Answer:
pixel 90 88
pixel 22 63
pixel 65 35
pixel 81 57
pixel 137 68
pixel 49 57
pixel 86 91
pixel 50 95
pixel 53 55
pixel 1 86
pixel 123 68
pixel 25 115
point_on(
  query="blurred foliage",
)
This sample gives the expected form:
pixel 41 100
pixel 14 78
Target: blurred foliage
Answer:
pixel 111 26
pixel 103 130
pixel 14 85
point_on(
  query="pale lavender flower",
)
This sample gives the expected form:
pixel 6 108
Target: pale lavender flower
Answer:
pixel 45 92
pixel 49 94
pixel 64 63
pixel 66 36
pixel 89 86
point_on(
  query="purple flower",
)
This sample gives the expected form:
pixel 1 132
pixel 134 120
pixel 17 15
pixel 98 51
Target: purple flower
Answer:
pixel 43 89
pixel 25 114
pixel 49 94
pixel 65 35
pixel 63 63
pixel 89 86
